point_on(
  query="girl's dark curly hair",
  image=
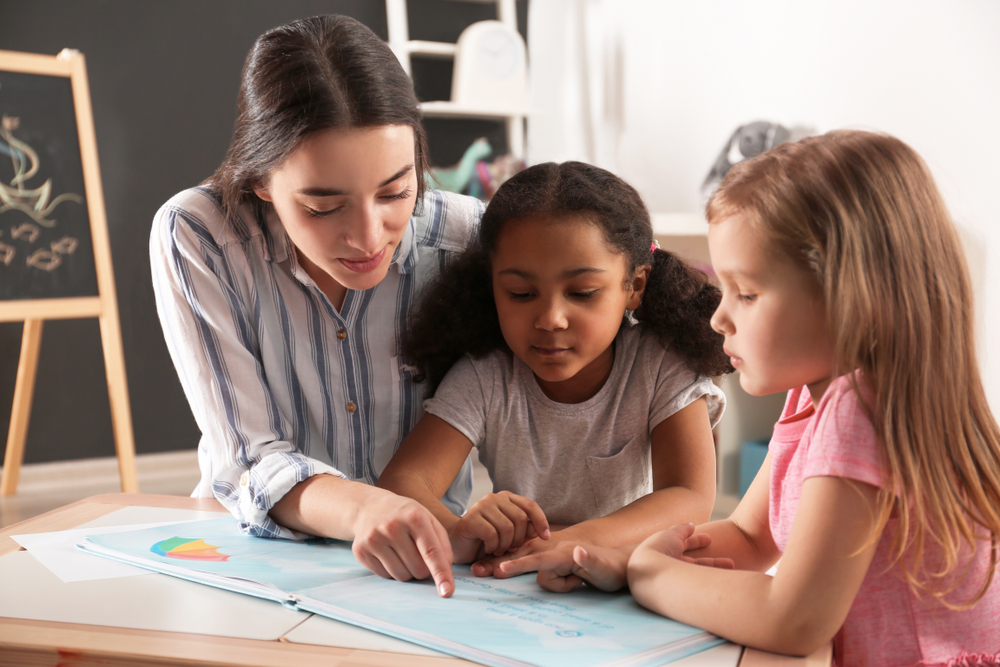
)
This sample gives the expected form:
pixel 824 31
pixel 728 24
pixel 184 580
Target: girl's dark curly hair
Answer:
pixel 457 314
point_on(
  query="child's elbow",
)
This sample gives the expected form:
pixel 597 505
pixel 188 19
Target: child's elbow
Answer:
pixel 797 634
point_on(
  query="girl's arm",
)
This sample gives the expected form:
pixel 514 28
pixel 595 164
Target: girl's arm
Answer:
pixel 424 467
pixel 426 463
pixel 745 537
pixel 829 550
pixel 683 463
pixel 743 541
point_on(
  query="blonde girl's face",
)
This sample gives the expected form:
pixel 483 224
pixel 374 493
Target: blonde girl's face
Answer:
pixel 772 315
pixel 560 293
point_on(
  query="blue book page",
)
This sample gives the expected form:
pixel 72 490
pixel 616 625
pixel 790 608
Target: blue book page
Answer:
pixel 516 619
pixel 503 622
pixel 216 547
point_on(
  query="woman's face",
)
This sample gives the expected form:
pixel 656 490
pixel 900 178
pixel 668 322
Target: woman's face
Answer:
pixel 344 196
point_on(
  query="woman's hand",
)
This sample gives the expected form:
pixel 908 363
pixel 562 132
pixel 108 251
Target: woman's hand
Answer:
pixel 399 538
pixel 569 564
pixel 675 542
pixel 496 524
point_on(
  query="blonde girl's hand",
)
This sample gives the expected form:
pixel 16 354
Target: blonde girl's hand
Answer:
pixel 676 541
pixel 570 564
pixel 499 522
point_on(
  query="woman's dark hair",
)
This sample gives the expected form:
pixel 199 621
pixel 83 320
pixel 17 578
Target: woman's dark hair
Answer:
pixel 312 74
pixel 457 314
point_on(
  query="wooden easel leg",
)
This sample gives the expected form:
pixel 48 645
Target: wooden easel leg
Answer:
pixel 24 389
pixel 121 411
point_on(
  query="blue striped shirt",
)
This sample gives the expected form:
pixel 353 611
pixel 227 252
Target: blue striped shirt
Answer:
pixel 282 385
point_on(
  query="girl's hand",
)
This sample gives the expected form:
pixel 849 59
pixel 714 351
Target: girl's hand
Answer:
pixel 490 566
pixel 675 542
pixel 499 522
pixel 571 563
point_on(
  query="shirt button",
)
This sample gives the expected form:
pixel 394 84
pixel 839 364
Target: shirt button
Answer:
pixel 342 335
pixel 351 407
pixel 244 479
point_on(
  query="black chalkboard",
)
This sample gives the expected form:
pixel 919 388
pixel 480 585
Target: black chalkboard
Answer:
pixel 46 250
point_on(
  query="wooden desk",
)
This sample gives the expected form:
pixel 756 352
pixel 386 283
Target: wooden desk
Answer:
pixel 44 642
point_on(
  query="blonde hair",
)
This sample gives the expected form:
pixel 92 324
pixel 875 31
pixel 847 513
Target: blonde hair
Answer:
pixel 861 212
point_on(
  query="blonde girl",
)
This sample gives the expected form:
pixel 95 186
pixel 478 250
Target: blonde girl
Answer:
pixel 844 284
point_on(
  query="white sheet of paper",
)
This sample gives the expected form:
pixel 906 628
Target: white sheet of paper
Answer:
pixel 57 550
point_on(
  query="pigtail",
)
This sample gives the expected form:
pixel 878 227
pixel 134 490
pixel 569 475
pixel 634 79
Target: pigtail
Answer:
pixel 678 305
pixel 456 315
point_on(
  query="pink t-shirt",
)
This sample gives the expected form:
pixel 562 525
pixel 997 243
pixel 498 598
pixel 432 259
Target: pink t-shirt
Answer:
pixel 887 624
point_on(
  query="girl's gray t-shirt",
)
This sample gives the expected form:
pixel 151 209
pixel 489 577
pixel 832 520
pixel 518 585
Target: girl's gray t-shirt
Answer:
pixel 577 461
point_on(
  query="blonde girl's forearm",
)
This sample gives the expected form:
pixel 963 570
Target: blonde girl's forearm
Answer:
pixel 829 550
pixel 731 540
pixel 745 537
pixel 733 604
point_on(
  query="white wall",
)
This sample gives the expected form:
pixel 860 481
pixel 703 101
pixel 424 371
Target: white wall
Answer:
pixel 652 89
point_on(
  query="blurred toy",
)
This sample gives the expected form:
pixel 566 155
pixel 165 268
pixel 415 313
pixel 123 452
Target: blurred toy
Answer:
pixel 457 178
pixel 748 141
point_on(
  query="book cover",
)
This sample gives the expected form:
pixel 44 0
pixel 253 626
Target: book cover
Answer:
pixel 501 622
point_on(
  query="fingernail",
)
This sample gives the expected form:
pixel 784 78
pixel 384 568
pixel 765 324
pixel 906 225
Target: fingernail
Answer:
pixel 443 589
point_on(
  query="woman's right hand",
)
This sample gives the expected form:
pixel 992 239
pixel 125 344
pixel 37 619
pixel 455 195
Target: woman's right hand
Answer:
pixel 399 538
pixel 496 524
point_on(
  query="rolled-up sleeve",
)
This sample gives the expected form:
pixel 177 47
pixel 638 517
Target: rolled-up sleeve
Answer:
pixel 209 310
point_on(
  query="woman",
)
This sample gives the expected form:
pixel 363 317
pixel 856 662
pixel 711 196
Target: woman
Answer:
pixel 283 283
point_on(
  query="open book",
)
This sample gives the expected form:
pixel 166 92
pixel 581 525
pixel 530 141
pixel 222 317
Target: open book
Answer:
pixel 502 622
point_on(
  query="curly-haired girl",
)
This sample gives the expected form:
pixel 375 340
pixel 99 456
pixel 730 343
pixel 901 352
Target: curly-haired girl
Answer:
pixel 575 355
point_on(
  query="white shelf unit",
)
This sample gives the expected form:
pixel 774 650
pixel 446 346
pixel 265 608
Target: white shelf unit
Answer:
pixel 405 48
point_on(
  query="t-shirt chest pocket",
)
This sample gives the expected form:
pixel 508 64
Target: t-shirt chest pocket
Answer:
pixel 621 478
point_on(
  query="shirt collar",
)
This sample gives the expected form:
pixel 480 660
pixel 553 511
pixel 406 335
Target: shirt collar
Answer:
pixel 276 241
pixel 405 255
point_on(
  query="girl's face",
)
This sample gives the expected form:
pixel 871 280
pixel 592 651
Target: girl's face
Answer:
pixel 560 293
pixel 772 314
pixel 344 196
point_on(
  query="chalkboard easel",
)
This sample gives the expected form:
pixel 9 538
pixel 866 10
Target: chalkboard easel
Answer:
pixel 55 259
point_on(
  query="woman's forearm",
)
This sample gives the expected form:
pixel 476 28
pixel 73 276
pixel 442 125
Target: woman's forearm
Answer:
pixel 411 485
pixel 324 505
pixel 392 536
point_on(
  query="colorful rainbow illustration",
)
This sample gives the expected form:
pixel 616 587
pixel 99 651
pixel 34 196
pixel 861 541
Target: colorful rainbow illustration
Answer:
pixel 187 549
